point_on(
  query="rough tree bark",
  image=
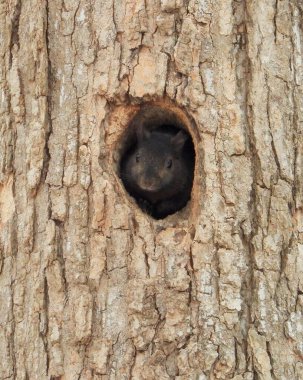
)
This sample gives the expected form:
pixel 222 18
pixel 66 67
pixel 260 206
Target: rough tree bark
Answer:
pixel 91 287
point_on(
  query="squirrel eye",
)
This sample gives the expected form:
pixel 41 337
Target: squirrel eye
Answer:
pixel 169 163
pixel 137 157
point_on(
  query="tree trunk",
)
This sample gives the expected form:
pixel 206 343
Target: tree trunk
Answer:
pixel 91 287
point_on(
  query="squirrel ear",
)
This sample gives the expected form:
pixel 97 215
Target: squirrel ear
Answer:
pixel 178 140
pixel 142 133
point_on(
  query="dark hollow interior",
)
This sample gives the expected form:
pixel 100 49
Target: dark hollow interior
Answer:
pixel 156 119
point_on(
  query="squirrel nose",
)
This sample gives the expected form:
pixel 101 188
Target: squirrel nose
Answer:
pixel 147 184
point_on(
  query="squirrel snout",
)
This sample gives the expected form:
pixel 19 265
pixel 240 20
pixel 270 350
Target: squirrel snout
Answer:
pixel 148 184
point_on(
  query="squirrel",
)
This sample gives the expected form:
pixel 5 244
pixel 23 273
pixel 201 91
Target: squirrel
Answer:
pixel 158 170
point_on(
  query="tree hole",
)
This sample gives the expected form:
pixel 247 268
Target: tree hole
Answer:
pixel 158 161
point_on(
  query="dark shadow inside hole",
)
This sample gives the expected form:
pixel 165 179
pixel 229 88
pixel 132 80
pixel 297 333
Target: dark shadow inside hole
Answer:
pixel 157 162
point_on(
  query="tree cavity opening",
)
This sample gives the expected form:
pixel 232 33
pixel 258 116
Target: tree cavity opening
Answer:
pixel 157 163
